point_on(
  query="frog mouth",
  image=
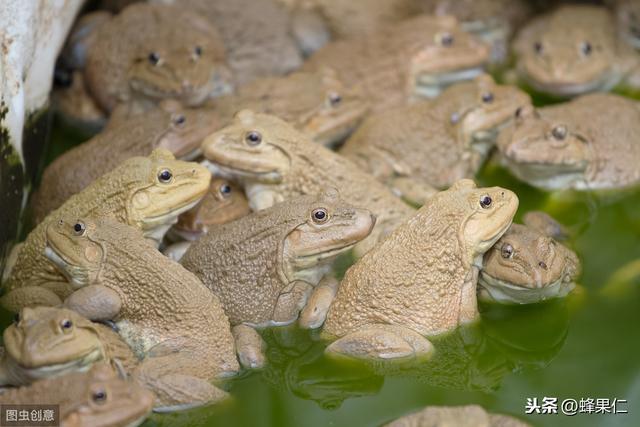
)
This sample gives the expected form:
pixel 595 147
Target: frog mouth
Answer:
pixel 431 84
pixel 508 293
pixel 81 364
pixel 317 257
pixel 77 276
pixel 548 176
pixel 602 83
pixel 232 171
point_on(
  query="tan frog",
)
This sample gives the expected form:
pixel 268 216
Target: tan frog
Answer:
pixel 585 144
pixel 316 103
pixel 46 342
pixel 179 130
pixel 146 192
pixel 435 143
pixel 421 280
pixel 274 162
pixel 179 55
pixel 527 265
pixel 265 266
pixel 574 50
pixel 417 57
pixel 459 416
pixel 97 398
pixel 171 321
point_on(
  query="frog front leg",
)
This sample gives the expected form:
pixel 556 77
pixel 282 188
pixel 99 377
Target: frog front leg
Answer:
pixel 291 300
pixel 379 341
pixel 250 347
pixel 315 311
pixel 262 196
pixel 95 302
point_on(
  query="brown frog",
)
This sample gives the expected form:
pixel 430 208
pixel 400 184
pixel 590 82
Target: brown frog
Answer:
pixel 421 280
pixel 434 143
pixel 179 55
pixel 459 416
pixel 417 57
pixel 171 321
pixel 146 192
pixel 573 50
pixel 588 143
pixel 274 162
pixel 178 129
pixel 46 342
pixel 97 398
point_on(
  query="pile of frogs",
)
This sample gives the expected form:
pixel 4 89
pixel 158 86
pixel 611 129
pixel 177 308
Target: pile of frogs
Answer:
pixel 232 169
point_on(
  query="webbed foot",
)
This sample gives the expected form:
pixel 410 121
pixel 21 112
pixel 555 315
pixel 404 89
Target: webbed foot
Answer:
pixel 250 347
pixel 315 311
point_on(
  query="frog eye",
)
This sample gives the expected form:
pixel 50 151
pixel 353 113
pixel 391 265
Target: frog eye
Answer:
pixel 542 265
pixel 179 120
pixel 518 112
pixel 99 396
pixel 585 48
pixel 154 58
pixel 506 251
pixel 334 99
pixel 445 39
pixel 454 118
pixel 559 132
pixel 253 138
pixel 79 228
pixel 165 176
pixel 485 201
pixel 537 47
pixel 198 51
pixel 319 216
pixel 487 97
pixel 66 325
pixel 225 190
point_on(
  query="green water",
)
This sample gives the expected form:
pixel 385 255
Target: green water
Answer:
pixel 585 346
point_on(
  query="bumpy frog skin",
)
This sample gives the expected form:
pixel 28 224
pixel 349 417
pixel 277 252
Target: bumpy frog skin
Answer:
pixel 264 266
pixel 178 56
pixel 316 103
pixel 459 416
pixel 274 162
pixel 177 129
pixel 573 50
pixel 421 280
pixel 97 398
pixel 173 323
pixel 417 57
pixel 527 266
pixel 46 342
pixel 589 143
pixel 146 192
pixel 255 34
pixel 435 142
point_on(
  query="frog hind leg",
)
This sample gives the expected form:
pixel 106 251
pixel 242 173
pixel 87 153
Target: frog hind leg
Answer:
pixel 382 342
pixel 29 296
pixel 250 347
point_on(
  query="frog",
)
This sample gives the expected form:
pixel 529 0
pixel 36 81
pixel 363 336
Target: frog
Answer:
pixel 416 58
pixel 251 54
pixel 421 280
pixel 574 50
pixel 627 13
pixel 46 342
pixel 267 265
pixel 317 103
pixel 170 126
pixel 461 416
pixel 96 398
pixel 587 143
pixel 274 162
pixel 492 21
pixel 179 56
pixel 171 321
pixel 74 105
pixel 528 265
pixel 427 146
pixel 148 193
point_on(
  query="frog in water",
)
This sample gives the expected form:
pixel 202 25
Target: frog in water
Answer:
pixel 432 144
pixel 173 127
pixel 527 265
pixel 266 265
pixel 574 50
pixel 588 143
pixel 316 103
pixel 148 193
pixel 178 56
pixel 171 321
pixel 421 280
pixel 46 342
pixel 274 162
pixel 459 416
pixel 417 57
pixel 97 398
